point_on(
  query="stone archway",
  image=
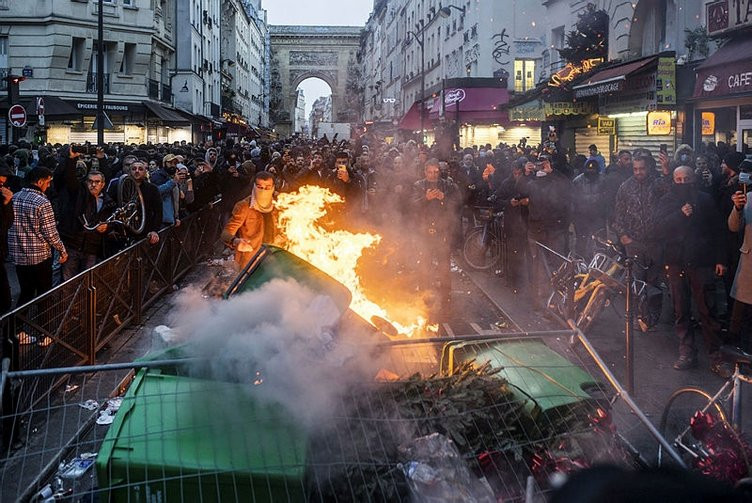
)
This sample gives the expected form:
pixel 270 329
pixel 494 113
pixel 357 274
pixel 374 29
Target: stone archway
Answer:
pixel 301 52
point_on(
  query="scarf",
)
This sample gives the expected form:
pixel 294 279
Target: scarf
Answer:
pixel 262 200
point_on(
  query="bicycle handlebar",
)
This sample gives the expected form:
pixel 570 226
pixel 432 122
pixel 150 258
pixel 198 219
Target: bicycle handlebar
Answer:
pixel 617 250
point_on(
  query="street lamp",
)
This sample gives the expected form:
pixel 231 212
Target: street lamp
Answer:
pixel 422 81
pixel 445 12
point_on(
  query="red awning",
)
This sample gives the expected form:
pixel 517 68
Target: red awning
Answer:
pixel 411 120
pixel 611 79
pixel 472 104
pixel 728 72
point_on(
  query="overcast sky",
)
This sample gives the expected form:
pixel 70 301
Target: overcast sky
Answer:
pixel 317 12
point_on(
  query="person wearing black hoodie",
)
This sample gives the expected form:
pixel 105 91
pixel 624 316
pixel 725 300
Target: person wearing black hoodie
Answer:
pixel 690 227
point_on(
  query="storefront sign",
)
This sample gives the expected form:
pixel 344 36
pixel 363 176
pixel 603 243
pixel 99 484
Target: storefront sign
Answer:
pixel 659 123
pixel 568 108
pixel 597 90
pixel 708 123
pixel 725 16
pixel 665 88
pixel 572 71
pixel 606 126
pixel 725 80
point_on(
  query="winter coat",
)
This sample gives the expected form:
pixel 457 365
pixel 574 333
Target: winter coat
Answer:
pixel 690 241
pixel 741 290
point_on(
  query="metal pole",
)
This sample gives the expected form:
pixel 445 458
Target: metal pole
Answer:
pixel 628 329
pixel 100 76
pixel 422 88
pixel 624 395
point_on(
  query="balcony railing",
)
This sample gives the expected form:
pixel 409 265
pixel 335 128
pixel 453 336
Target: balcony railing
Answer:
pixel 167 93
pixel 91 83
pixel 153 89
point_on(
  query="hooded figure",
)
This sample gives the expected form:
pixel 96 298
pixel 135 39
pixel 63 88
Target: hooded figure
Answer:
pixel 211 157
pixel 252 221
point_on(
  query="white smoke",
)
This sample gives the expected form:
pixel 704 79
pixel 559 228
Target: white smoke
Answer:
pixel 283 341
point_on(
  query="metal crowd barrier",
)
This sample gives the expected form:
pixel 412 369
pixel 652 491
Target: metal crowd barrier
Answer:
pixel 68 325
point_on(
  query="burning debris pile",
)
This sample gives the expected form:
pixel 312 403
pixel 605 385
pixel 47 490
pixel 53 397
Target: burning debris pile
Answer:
pixel 304 220
pixel 366 454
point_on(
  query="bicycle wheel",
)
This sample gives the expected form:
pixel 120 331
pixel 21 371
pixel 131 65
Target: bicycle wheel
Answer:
pixel 591 309
pixel 482 249
pixel 131 202
pixel 676 417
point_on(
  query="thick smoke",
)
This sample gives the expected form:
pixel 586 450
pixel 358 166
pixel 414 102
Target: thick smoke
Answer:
pixel 283 340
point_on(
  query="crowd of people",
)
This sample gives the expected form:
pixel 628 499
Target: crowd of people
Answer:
pixel 684 217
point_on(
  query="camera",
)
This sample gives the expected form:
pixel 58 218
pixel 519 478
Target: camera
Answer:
pixel 80 149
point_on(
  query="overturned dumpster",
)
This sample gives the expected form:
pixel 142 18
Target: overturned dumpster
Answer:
pixel 434 421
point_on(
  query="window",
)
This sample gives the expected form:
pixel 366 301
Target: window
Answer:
pixel 557 37
pixel 76 57
pixel 129 57
pixel 524 75
pixel 3 52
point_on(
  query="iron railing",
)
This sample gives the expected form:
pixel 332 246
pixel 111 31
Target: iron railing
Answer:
pixel 68 325
pixel 91 82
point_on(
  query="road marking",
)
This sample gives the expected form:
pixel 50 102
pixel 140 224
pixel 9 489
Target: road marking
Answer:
pixel 448 330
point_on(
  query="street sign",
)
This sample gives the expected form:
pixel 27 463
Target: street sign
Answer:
pixel 40 105
pixel 27 71
pixel 40 120
pixel 17 116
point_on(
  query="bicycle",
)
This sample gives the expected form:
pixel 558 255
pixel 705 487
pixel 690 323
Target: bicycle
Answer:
pixel 483 245
pixel 594 283
pixel 131 212
pixel 697 424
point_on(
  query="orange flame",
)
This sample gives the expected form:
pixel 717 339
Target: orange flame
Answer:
pixel 336 252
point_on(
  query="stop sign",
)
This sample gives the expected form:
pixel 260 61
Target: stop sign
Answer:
pixel 17 116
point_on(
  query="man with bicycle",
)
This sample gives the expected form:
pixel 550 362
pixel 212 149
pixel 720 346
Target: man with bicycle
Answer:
pixel 690 227
pixel 82 201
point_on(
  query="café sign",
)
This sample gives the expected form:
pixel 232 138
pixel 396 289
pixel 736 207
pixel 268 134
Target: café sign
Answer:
pixel 728 15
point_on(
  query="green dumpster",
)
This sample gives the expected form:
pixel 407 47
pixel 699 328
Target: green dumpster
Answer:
pixel 272 262
pixel 183 439
pixel 548 384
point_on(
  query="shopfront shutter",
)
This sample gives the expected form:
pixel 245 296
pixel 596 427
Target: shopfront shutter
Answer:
pixel 584 137
pixel 631 133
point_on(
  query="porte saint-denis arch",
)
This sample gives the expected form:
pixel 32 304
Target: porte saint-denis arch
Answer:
pixel 300 52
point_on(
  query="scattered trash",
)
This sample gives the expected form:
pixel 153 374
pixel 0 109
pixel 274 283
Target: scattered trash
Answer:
pixel 107 416
pixel 77 466
pixel 165 334
pixel 70 388
pixel 217 262
pixel 501 324
pixel 89 405
pixel 437 472
pixel 116 319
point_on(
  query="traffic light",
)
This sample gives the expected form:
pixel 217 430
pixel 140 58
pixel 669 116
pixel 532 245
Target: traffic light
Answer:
pixel 13 81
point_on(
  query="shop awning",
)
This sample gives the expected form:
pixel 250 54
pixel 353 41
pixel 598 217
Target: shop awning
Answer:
pixel 166 115
pixel 473 104
pixel 611 79
pixel 411 120
pixel 728 72
pixel 531 111
pixel 55 107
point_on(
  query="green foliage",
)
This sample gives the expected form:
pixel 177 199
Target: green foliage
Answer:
pixel 589 39
pixel 697 42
